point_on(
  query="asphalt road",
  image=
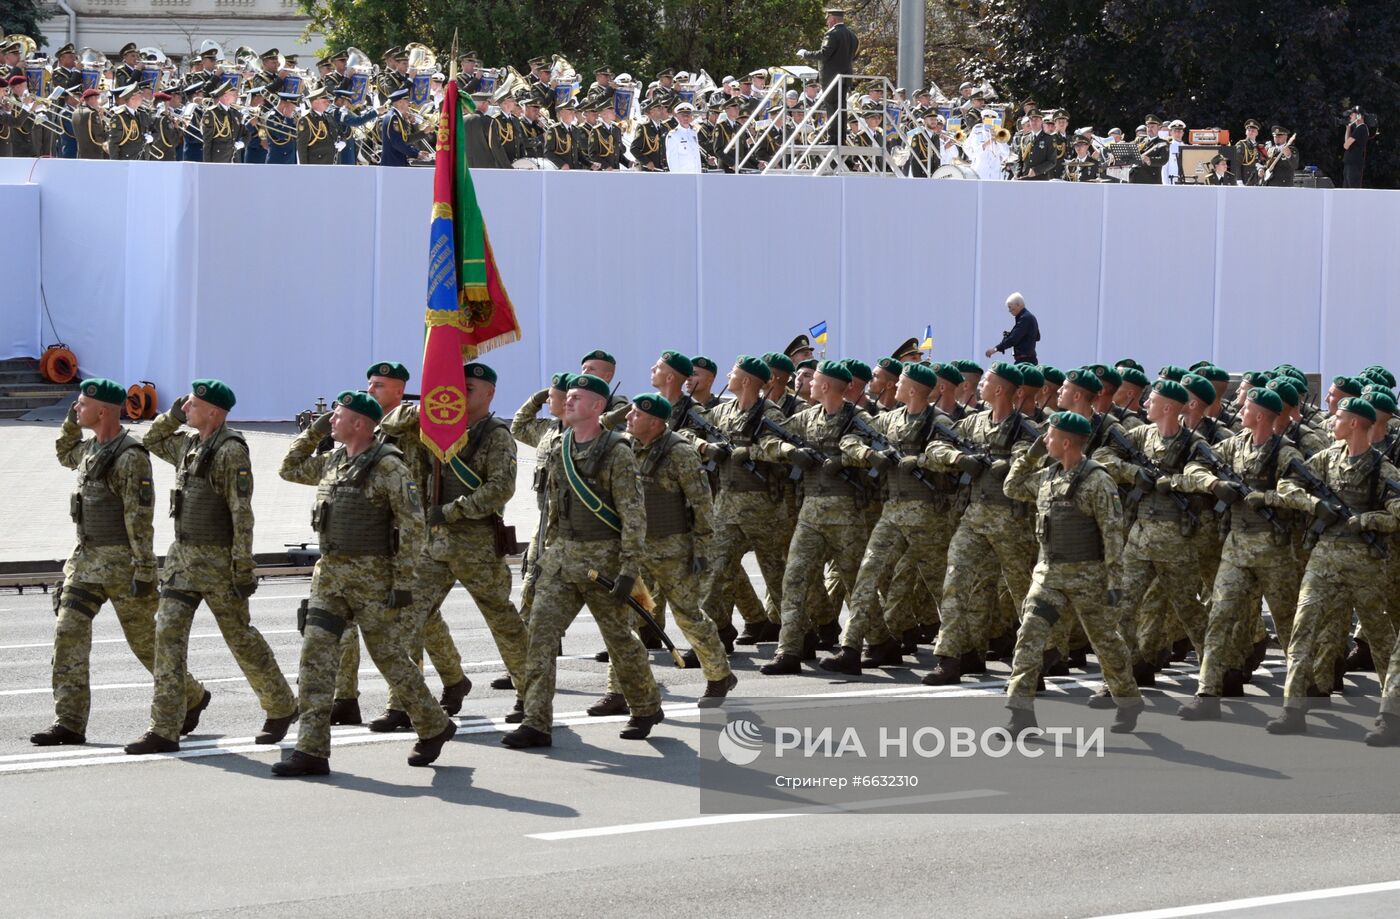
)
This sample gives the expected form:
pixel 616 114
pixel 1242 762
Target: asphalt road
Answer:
pixel 599 826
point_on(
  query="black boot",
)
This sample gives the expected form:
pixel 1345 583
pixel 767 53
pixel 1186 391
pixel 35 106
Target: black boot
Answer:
pixel 928 634
pixel 1003 647
pixel 947 672
pixel 1386 733
pixel 828 636
pixel 1317 698
pixel 517 714
pixel 1144 674
pixel 690 659
pixel 772 631
pixel 56 735
pixel 1052 664
pixel 846 661
pixel 427 750
pixel 782 665
pixel 716 690
pixel 1125 720
pixel 886 654
pixel 453 695
pixel 503 682
pixel 392 720
pixel 1181 648
pixel 602 656
pixel 639 726
pixel 809 646
pixel 1078 660
pixel 972 664
pixel 1256 656
pixel 151 742
pixel 727 637
pixel 192 714
pixel 752 634
pixel 301 764
pixel 1291 721
pixel 1102 698
pixel 525 737
pixel 651 639
pixel 346 711
pixel 1201 708
pixel 614 703
pixel 274 729
pixel 1232 684
pixel 1360 657
pixel 1339 672
pixel 1021 720
pixel 909 641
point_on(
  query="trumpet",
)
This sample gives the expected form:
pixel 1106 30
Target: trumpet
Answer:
pixel 1002 135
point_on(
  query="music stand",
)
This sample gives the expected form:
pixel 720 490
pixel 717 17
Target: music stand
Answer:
pixel 1125 154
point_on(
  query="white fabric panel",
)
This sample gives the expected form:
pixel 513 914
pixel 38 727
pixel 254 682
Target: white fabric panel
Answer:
pixel 1361 286
pixel 1045 240
pixel 909 261
pixel 1158 296
pixel 16 171
pixel 20 309
pixel 1268 279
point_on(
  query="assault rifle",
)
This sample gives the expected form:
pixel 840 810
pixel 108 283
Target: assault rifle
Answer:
pixel 1324 493
pixel 1151 471
pixel 1229 476
pixel 715 437
pixel 965 447
pixel 881 444
pixel 792 439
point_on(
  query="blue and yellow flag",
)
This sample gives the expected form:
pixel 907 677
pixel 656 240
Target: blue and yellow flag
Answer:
pixel 818 333
pixel 926 344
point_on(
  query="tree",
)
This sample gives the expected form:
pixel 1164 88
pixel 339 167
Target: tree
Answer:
pixel 21 17
pixel 1211 63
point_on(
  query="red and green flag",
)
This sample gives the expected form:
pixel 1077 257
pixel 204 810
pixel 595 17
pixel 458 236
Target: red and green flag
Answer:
pixel 469 311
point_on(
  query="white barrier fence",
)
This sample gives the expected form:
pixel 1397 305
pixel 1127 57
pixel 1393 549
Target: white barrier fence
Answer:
pixel 289 282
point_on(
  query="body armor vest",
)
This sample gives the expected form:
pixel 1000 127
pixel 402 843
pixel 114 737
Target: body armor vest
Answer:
pixel 1260 474
pixel 452 486
pixel 667 512
pixel 346 521
pixel 903 486
pixel 987 487
pixel 549 442
pixel 577 521
pixel 202 517
pixel 1069 534
pixel 1359 490
pixel 734 476
pixel 1156 504
pixel 822 483
pixel 98 512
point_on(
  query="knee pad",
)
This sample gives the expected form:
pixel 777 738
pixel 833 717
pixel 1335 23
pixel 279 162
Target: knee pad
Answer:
pixel 80 600
pixel 325 619
pixel 1047 611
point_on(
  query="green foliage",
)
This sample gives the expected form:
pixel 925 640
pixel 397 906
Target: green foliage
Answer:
pixel 21 17
pixel 1211 63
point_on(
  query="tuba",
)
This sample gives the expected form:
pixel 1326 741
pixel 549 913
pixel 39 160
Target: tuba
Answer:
pixel 422 64
pixel 94 65
pixel 361 71
pixel 560 70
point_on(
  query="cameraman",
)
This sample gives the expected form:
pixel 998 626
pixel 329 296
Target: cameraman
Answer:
pixel 1354 148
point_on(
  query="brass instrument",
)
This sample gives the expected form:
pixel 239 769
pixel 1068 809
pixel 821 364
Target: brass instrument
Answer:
pixel 1002 135
pixel 27 45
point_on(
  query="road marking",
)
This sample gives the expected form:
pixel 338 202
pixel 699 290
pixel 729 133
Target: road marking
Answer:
pixel 113 641
pixel 1224 906
pixel 721 819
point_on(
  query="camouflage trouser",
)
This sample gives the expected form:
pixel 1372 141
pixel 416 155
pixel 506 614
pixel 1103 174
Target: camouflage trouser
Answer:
pixel 1160 574
pixel 667 568
pixel 744 522
pixel 1244 575
pixel 434 637
pixel 334 602
pixel 907 547
pixel 79 602
pixel 988 536
pixel 562 590
pixel 1080 590
pixel 828 529
pixel 1341 576
pixel 827 606
pixel 1390 685
pixel 250 650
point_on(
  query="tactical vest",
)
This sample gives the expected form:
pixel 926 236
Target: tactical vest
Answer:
pixel 821 483
pixel 1067 533
pixel 1173 462
pixel 1361 489
pixel 544 450
pixel 346 521
pixel 452 485
pixel 987 488
pixel 96 509
pixel 1260 474
pixel 202 517
pixel 734 477
pixel 667 512
pixel 576 521
pixel 903 486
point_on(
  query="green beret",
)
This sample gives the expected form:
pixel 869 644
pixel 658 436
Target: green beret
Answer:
pixel 1071 423
pixel 1085 379
pixel 1348 385
pixel 1172 372
pixel 1256 377
pixel 949 372
pixel 1107 375
pixel 781 362
pixel 1007 372
pixel 859 369
pixel 1358 407
pixel 598 355
pixel 1171 389
pixel 1031 375
pixel 809 364
pixel 1371 376
pixel 1380 399
pixel 1199 387
pixel 1285 391
pixel 1129 362
pixel 479 372
pixel 561 381
pixel 836 370
pixel 215 392
pixel 756 367
pixel 593 384
pixel 967 366
pixel 922 374
pixel 653 403
pixel 678 362
pixel 1213 373
pixel 1384 374
pixel 104 390
pixel 1198 365
pixel 890 365
pixel 701 362
pixel 1266 399
pixel 1136 377
pixel 361 402
pixel 392 369
pixel 1296 374
pixel 1052 374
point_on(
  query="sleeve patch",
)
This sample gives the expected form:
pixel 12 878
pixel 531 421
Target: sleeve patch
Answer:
pixel 414 501
pixel 243 481
pixel 146 493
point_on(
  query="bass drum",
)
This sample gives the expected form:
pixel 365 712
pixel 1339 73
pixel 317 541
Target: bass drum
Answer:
pixel 955 171
pixel 534 162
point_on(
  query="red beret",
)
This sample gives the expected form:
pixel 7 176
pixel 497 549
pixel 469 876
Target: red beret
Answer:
pixel 89 93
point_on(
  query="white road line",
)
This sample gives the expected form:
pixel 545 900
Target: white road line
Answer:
pixel 720 819
pixel 113 641
pixel 1225 906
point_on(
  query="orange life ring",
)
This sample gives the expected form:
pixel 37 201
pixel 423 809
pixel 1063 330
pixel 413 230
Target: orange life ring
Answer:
pixel 58 365
pixel 149 389
pixel 135 404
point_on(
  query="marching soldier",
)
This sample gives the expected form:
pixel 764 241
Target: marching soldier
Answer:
pixel 129 136
pixel 1247 153
pixel 220 127
pixel 369 522
pixel 544 435
pixel 90 127
pixel 598 521
pixel 281 127
pixel 211 561
pixel 316 134
pixel 114 559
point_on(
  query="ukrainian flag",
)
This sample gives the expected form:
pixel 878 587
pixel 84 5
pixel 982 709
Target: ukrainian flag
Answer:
pixel 818 333
pixel 927 343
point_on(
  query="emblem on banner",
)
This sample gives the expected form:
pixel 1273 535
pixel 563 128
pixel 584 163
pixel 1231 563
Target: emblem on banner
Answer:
pixel 446 405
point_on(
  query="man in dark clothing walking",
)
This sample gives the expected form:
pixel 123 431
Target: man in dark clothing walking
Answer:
pixel 1022 336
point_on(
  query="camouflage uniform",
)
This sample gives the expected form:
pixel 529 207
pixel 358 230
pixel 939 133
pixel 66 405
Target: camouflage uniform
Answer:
pixel 678 508
pixel 543 434
pixel 212 552
pixel 1256 559
pixel 1160 552
pixel 113 508
pixel 991 532
pixel 577 542
pixel 1079 523
pixel 1342 573
pixel 913 527
pixel 831 521
pixel 464 549
pixel 369 518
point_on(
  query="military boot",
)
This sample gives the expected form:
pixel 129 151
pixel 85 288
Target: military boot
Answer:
pixel 1201 708
pixel 690 659
pixel 503 682
pixel 639 726
pixel 752 634
pixel 828 635
pixel 614 703
pixel 947 672
pixel 1318 698
pixel 651 639
pixel 1339 672
pixel 1144 674
pixel 274 729
pixel 525 737
pixel 192 714
pixel 302 764
pixel 909 640
pixel 728 636
pixel 1078 660
pixel 602 656
pixel 782 665
pixel 810 643
pixel 1021 719
pixel 888 653
pixel 453 695
pixel 1126 718
pixel 427 750
pixel 716 690
pixel 972 664
pixel 346 711
pixel 1102 698
pixel 516 714
pixel 772 631
pixel 1291 721
pixel 1386 733
pixel 846 661
pixel 1052 664
pixel 1360 657
pixel 392 720
pixel 56 735
pixel 151 742
pixel 1232 684
pixel 1181 648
